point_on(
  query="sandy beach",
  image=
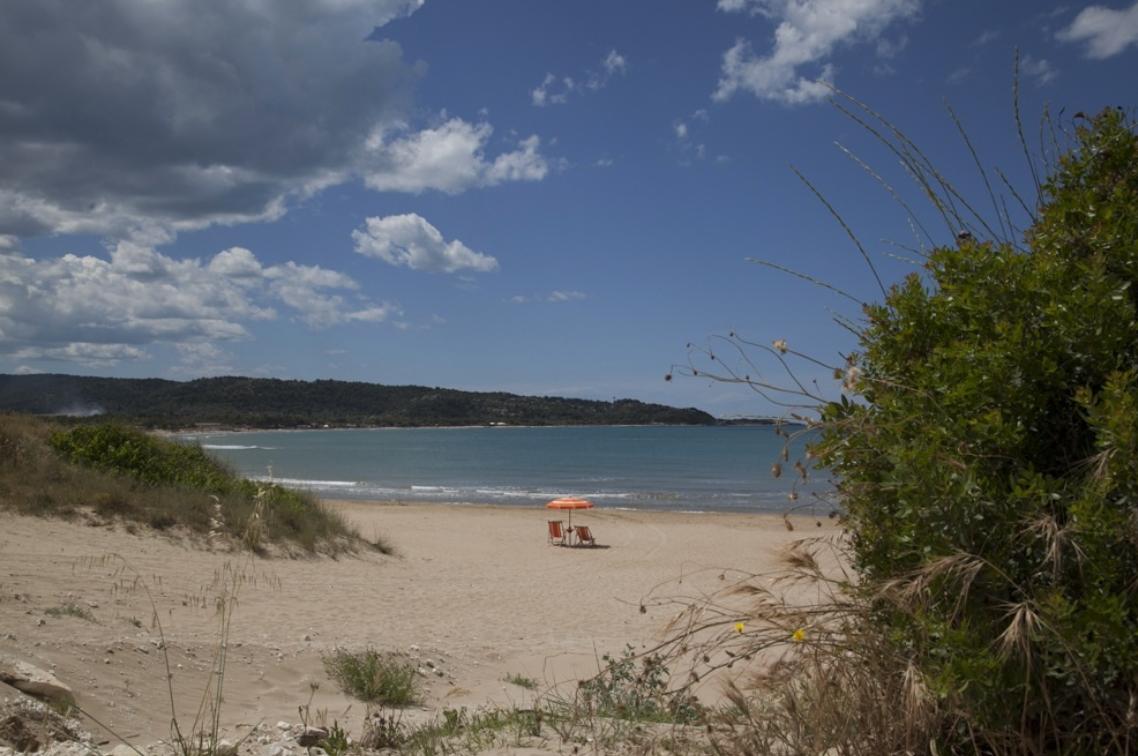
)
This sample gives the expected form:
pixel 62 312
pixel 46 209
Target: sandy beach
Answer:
pixel 477 590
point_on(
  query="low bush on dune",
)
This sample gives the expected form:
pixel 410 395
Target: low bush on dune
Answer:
pixel 374 677
pixel 124 474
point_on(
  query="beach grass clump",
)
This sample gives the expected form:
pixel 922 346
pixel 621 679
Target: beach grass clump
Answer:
pixel 374 677
pixel 70 609
pixel 521 681
pixel 122 474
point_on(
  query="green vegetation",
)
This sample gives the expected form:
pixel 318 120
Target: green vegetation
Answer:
pixel 637 692
pixel 70 609
pixel 521 681
pixel 990 471
pixel 271 403
pixel 373 677
pixel 121 473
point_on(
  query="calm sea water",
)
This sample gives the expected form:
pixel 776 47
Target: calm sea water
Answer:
pixel 677 468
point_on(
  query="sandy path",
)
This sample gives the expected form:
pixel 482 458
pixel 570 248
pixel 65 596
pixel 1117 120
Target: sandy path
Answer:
pixel 477 589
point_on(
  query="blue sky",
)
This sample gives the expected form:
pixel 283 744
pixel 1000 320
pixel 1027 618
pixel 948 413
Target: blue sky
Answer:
pixel 523 195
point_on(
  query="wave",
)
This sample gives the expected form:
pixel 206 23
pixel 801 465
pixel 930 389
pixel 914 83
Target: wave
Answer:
pixel 304 483
pixel 232 447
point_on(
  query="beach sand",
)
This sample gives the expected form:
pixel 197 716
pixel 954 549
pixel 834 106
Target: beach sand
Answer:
pixel 475 589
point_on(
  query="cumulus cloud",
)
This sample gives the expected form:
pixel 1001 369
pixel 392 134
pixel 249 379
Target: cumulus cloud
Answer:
pixel 449 158
pixel 185 113
pixel 556 90
pixel 796 70
pixel 410 241
pixel 134 118
pixel 97 310
pixel 1106 31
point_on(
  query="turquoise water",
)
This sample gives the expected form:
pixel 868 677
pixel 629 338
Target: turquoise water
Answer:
pixel 677 468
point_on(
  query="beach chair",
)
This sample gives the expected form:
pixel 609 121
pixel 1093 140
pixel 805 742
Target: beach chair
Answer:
pixel 584 536
pixel 557 533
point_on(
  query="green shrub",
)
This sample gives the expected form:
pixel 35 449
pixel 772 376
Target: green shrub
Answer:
pixel 990 469
pixel 180 479
pixel 374 677
pixel 128 451
pixel 70 609
pixel 638 693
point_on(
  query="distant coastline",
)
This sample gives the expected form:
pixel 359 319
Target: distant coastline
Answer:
pixel 235 403
pixel 214 428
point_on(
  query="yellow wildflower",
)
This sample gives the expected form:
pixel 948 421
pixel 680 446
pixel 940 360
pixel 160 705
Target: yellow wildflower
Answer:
pixel 799 635
pixel 739 627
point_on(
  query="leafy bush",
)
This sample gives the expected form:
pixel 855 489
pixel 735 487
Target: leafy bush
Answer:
pixel 990 470
pixel 128 451
pixel 373 677
pixel 639 694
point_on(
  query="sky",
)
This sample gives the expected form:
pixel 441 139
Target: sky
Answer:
pixel 536 196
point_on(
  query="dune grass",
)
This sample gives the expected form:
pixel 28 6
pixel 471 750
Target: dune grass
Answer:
pixel 120 473
pixel 374 677
pixel 70 610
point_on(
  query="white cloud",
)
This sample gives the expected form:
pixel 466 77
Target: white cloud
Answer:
pixel 410 241
pixel 449 158
pixel 201 359
pixel 566 296
pixel 614 63
pixel 685 142
pixel 796 70
pixel 236 263
pixel 891 48
pixel 555 90
pixel 555 297
pixel 84 353
pixel 986 36
pixel 1106 31
pixel 1038 69
pixel 303 288
pixel 958 75
pixel 94 310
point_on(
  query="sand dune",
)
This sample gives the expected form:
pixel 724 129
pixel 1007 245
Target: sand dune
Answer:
pixel 476 589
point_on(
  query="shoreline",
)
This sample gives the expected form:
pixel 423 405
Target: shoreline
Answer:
pixel 361 507
pixel 234 430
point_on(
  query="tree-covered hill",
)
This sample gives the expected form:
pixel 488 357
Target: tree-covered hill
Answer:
pixel 273 403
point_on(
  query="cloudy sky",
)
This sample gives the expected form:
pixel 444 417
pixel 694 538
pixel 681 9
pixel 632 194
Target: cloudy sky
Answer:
pixel 537 196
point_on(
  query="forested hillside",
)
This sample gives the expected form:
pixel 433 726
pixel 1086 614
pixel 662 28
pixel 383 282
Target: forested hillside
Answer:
pixel 273 403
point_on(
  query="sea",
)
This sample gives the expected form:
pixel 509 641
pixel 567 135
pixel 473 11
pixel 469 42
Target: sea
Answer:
pixel 680 468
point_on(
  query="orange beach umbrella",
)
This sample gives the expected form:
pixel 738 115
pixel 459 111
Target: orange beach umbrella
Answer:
pixel 570 503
